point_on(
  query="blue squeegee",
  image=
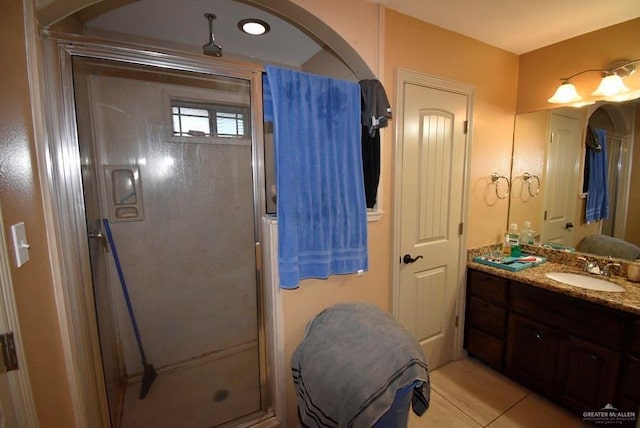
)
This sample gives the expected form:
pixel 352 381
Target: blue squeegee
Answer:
pixel 149 373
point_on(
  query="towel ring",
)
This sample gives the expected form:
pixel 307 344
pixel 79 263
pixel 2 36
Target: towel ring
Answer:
pixel 528 178
pixel 495 178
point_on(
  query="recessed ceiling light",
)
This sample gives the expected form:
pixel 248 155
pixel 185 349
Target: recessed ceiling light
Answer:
pixel 254 27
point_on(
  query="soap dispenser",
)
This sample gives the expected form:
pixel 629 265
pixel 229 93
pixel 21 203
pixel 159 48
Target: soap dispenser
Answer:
pixel 506 246
pixel 514 239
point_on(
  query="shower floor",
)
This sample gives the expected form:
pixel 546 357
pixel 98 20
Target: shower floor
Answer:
pixel 201 395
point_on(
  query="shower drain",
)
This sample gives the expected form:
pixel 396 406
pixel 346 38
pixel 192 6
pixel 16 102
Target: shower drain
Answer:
pixel 221 395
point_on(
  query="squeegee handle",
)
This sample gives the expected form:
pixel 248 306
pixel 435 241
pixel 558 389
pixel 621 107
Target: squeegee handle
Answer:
pixel 123 284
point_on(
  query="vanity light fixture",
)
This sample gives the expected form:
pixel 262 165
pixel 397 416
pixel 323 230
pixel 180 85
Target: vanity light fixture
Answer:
pixel 254 27
pixel 565 94
pixel 611 86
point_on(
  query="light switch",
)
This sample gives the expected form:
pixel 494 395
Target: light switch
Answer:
pixel 20 244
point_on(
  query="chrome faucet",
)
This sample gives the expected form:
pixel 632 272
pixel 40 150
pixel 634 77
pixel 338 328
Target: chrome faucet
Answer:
pixel 590 266
pixel 606 269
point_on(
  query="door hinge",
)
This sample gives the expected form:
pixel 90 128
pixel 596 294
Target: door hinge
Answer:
pixel 457 320
pixel 545 215
pixel 460 229
pixel 9 360
pixel 465 126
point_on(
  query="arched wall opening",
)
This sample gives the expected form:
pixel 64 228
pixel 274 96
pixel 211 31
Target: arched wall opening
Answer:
pixel 64 15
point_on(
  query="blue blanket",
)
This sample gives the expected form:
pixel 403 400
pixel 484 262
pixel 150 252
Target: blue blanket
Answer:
pixel 322 220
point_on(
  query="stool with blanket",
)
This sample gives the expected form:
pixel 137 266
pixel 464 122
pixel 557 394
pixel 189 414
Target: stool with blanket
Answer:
pixel 357 367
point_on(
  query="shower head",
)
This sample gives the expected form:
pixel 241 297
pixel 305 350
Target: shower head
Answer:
pixel 211 48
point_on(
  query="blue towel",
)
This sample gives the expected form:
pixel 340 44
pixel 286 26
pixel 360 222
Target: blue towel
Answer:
pixel 322 215
pixel 597 207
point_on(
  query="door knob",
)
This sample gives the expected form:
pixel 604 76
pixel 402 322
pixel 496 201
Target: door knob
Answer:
pixel 569 225
pixel 407 259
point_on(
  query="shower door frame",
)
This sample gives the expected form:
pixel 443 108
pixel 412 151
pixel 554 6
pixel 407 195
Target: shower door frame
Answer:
pixel 68 241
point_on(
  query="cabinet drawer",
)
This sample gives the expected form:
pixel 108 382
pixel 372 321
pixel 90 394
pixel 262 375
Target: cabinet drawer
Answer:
pixel 574 316
pixel 489 318
pixel 488 287
pixel 631 380
pixel 486 348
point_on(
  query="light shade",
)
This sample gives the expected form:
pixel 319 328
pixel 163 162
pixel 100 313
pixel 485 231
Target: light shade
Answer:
pixel 609 86
pixel 627 96
pixel 566 93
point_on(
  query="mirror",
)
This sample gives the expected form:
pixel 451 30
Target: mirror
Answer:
pixel 549 147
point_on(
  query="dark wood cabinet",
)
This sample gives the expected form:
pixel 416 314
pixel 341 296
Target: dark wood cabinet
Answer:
pixel 629 390
pixel 579 354
pixel 532 353
pixel 630 385
pixel 587 375
pixel 486 320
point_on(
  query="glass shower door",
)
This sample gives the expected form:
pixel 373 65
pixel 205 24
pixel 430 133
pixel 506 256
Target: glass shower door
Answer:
pixel 167 161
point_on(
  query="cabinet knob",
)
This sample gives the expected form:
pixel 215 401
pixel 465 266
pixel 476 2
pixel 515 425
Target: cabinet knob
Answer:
pixel 538 336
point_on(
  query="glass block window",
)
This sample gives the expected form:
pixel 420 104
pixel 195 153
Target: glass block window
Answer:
pixel 208 120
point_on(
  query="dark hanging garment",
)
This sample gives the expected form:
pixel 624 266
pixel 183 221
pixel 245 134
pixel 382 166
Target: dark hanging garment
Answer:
pixel 376 113
pixel 371 165
pixel 376 110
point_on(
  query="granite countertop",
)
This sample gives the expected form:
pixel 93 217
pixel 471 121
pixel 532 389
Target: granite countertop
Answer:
pixel 628 300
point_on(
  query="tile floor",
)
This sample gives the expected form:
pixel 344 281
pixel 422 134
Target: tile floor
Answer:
pixel 466 393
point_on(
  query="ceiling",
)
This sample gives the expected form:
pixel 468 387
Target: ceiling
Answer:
pixel 517 26
pixel 182 22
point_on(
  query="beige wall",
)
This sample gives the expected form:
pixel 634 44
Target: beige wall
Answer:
pixel 417 46
pixel 541 70
pixel 21 201
pixel 356 21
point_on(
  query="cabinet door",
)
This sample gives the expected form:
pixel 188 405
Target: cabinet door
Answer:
pixel 587 375
pixel 634 346
pixel 630 381
pixel 532 351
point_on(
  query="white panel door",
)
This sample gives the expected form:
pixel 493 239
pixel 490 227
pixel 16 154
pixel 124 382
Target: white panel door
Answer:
pixel 433 160
pixel 562 176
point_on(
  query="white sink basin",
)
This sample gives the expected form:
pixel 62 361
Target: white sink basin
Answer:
pixel 584 281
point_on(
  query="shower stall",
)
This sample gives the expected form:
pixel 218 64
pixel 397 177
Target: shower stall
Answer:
pixel 171 158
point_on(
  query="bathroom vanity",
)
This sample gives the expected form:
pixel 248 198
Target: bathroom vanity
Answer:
pixel 577 347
